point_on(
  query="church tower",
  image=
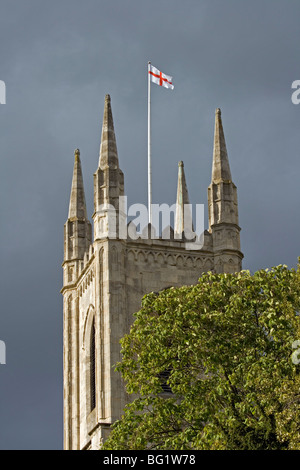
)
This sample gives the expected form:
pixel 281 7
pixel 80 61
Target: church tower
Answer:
pixel 105 278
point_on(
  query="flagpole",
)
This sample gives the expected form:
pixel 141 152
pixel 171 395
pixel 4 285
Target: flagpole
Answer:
pixel 149 149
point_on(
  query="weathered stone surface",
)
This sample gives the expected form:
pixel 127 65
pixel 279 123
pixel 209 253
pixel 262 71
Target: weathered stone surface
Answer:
pixel 105 280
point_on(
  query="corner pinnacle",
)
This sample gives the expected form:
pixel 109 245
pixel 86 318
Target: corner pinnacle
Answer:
pixel 220 168
pixel 108 148
pixel 77 206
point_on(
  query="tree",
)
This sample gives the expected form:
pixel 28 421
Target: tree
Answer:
pixel 224 347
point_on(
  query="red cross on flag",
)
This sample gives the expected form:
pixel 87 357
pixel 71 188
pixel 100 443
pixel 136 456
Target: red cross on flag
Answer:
pixel 161 79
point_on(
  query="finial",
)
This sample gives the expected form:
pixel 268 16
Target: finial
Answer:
pixel 77 154
pixel 107 98
pixel 180 163
pixel 218 111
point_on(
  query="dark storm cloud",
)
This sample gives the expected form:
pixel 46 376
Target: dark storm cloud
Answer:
pixel 58 60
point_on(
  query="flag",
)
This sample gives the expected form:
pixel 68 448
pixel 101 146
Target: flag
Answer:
pixel 161 79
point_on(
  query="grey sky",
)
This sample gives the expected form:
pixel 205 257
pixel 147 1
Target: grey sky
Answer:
pixel 58 60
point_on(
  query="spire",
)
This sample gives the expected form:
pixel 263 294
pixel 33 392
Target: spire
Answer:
pixel 108 149
pixel 220 168
pixel 108 179
pixel 77 207
pixel 183 217
pixel 77 229
pixel 223 208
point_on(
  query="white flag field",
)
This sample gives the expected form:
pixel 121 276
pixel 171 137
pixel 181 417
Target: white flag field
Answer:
pixel 161 79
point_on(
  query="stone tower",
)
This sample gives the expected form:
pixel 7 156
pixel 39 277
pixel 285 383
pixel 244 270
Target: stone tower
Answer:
pixel 105 279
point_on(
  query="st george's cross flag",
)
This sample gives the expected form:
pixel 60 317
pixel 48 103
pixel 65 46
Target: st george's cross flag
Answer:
pixel 161 79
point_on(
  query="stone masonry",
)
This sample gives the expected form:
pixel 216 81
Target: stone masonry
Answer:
pixel 105 278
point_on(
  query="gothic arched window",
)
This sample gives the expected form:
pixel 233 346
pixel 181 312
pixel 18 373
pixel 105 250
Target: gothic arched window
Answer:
pixel 93 367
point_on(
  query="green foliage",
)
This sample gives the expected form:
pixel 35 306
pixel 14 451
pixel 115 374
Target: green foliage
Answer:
pixel 227 343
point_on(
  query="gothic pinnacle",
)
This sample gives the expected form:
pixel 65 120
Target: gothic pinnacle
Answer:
pixel 182 217
pixel 220 168
pixel 77 206
pixel 108 148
